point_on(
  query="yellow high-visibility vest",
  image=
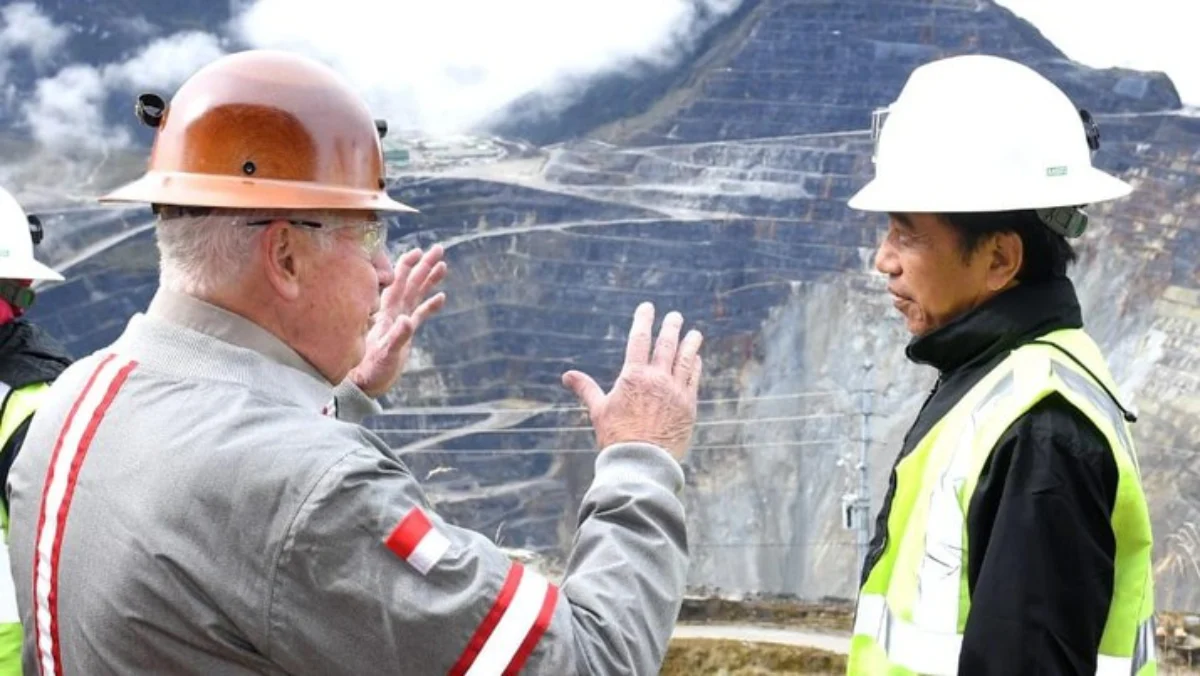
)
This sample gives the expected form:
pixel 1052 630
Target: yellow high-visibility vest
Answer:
pixel 18 406
pixel 914 605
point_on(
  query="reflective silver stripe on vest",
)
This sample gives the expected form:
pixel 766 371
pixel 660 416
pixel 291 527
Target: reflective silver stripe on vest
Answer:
pixel 1144 652
pixel 922 644
pixel 929 652
pixel 8 593
pixel 939 575
pixel 906 645
pixel 1101 401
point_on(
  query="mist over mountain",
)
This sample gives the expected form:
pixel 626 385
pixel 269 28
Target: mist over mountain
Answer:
pixel 700 158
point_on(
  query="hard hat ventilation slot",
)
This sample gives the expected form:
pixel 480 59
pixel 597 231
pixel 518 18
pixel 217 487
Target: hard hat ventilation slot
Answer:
pixel 381 127
pixel 150 109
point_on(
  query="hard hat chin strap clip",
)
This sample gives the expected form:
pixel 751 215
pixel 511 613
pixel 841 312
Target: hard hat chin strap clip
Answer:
pixel 1070 222
pixel 18 296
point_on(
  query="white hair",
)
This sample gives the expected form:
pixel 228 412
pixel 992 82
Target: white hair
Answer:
pixel 202 254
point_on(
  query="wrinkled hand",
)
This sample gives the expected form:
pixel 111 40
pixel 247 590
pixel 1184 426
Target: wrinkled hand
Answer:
pixel 654 398
pixel 401 313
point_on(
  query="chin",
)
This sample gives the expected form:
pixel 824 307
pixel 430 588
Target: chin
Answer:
pixel 916 328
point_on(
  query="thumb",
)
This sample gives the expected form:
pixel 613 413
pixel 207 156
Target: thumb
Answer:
pixel 585 389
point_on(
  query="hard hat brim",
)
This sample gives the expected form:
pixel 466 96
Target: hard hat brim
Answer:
pixel 219 191
pixel 27 269
pixel 1087 185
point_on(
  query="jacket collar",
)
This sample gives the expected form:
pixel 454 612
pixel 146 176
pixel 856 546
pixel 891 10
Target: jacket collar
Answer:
pixel 206 318
pixel 28 354
pixel 1010 319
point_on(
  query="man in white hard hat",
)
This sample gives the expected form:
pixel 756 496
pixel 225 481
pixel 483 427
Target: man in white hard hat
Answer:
pixel 30 359
pixel 189 502
pixel 1014 537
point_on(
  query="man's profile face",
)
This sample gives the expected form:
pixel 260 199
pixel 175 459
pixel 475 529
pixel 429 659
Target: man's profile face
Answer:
pixel 342 294
pixel 929 278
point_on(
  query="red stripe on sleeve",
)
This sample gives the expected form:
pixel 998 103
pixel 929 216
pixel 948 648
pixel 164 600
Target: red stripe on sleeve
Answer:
pixel 535 632
pixel 488 625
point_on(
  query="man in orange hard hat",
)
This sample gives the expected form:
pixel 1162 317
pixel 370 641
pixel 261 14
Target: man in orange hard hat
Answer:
pixel 198 497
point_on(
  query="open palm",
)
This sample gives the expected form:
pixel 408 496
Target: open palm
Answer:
pixel 404 306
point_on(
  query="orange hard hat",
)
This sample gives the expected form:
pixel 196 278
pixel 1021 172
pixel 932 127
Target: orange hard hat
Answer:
pixel 263 129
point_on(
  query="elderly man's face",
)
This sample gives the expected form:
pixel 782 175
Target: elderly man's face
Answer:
pixel 929 278
pixel 341 295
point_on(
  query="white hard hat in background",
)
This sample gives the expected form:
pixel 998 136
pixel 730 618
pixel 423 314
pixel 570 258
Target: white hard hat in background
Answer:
pixel 981 133
pixel 16 243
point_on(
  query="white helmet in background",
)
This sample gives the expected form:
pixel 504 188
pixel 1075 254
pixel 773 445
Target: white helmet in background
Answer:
pixel 981 133
pixel 18 234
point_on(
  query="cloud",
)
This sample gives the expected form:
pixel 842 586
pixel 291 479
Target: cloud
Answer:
pixel 444 66
pixel 164 64
pixel 23 27
pixel 435 66
pixel 66 111
pixel 26 27
pixel 1138 34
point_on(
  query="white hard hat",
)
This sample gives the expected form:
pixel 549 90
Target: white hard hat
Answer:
pixel 980 133
pixel 16 243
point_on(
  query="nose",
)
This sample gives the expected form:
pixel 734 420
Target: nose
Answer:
pixel 383 268
pixel 886 260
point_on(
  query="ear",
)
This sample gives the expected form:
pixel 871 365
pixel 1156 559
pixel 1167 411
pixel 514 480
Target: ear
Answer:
pixel 282 253
pixel 1006 255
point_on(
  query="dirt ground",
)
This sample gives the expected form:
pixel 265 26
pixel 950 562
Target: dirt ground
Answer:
pixel 833 616
pixel 739 658
pixel 1178 639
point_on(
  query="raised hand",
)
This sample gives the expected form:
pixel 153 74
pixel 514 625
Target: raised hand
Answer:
pixel 404 306
pixel 654 398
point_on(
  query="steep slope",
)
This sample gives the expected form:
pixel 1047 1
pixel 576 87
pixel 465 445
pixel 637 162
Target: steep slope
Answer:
pixel 724 197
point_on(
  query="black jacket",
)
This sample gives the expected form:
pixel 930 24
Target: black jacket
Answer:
pixel 28 355
pixel 1041 547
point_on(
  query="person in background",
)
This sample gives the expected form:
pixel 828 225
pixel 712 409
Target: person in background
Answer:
pixel 30 360
pixel 1014 537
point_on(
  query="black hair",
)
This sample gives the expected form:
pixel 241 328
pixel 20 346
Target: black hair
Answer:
pixel 1046 253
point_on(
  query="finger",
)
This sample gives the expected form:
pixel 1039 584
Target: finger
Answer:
pixel 637 350
pixel 437 253
pixel 429 308
pixel 689 351
pixel 399 333
pixel 668 341
pixel 435 277
pixel 695 377
pixel 585 389
pixel 405 263
pixel 393 294
pixel 415 285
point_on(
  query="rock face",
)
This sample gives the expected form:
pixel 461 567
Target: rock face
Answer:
pixel 719 189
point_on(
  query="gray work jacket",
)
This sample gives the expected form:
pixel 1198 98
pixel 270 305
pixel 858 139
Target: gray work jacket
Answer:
pixel 190 501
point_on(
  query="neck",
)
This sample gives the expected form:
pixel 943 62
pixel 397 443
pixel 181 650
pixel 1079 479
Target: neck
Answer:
pixel 1008 319
pixel 251 302
pixel 255 300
